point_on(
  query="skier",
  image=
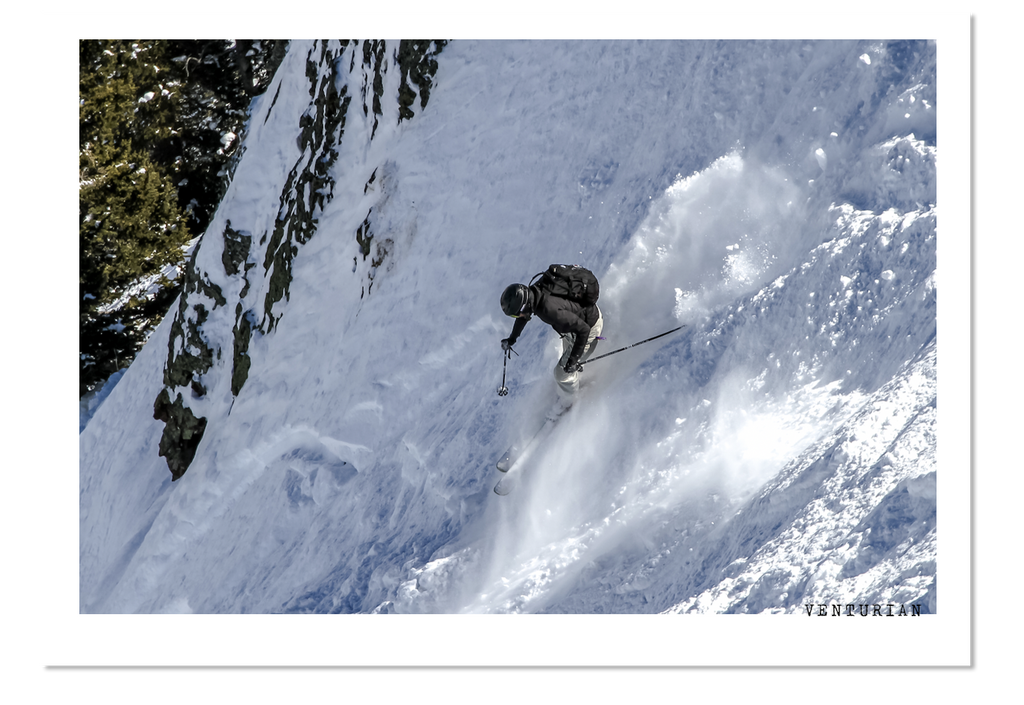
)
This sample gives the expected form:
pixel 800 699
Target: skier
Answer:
pixel 558 300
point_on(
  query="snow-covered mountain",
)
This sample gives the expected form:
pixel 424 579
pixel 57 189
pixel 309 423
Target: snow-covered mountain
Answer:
pixel 324 395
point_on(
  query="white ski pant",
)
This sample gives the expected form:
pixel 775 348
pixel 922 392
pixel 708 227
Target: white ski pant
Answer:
pixel 569 384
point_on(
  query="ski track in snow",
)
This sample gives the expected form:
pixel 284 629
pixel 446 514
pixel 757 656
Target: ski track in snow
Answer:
pixel 777 199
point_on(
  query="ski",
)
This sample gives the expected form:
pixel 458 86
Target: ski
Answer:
pixel 514 459
pixel 506 461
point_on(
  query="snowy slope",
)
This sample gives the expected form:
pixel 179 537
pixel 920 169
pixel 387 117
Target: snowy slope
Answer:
pixel 779 198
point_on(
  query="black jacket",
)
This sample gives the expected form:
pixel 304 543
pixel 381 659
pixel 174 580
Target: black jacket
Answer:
pixel 563 315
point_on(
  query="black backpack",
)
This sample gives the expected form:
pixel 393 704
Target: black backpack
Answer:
pixel 569 281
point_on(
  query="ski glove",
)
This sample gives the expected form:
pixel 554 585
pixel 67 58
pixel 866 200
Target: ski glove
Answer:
pixel 506 345
pixel 571 367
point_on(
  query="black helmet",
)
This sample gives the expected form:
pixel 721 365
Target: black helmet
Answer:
pixel 515 299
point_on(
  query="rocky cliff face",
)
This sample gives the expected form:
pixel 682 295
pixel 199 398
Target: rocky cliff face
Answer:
pixel 237 282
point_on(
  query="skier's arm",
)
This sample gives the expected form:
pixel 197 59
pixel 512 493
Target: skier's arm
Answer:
pixel 578 347
pixel 517 329
pixel 570 322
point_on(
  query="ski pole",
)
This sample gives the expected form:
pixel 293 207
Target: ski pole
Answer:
pixel 660 335
pixel 503 390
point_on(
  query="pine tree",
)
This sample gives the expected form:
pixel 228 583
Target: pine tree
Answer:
pixel 130 224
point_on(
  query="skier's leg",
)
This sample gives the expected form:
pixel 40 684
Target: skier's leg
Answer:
pixel 569 383
pixel 595 332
